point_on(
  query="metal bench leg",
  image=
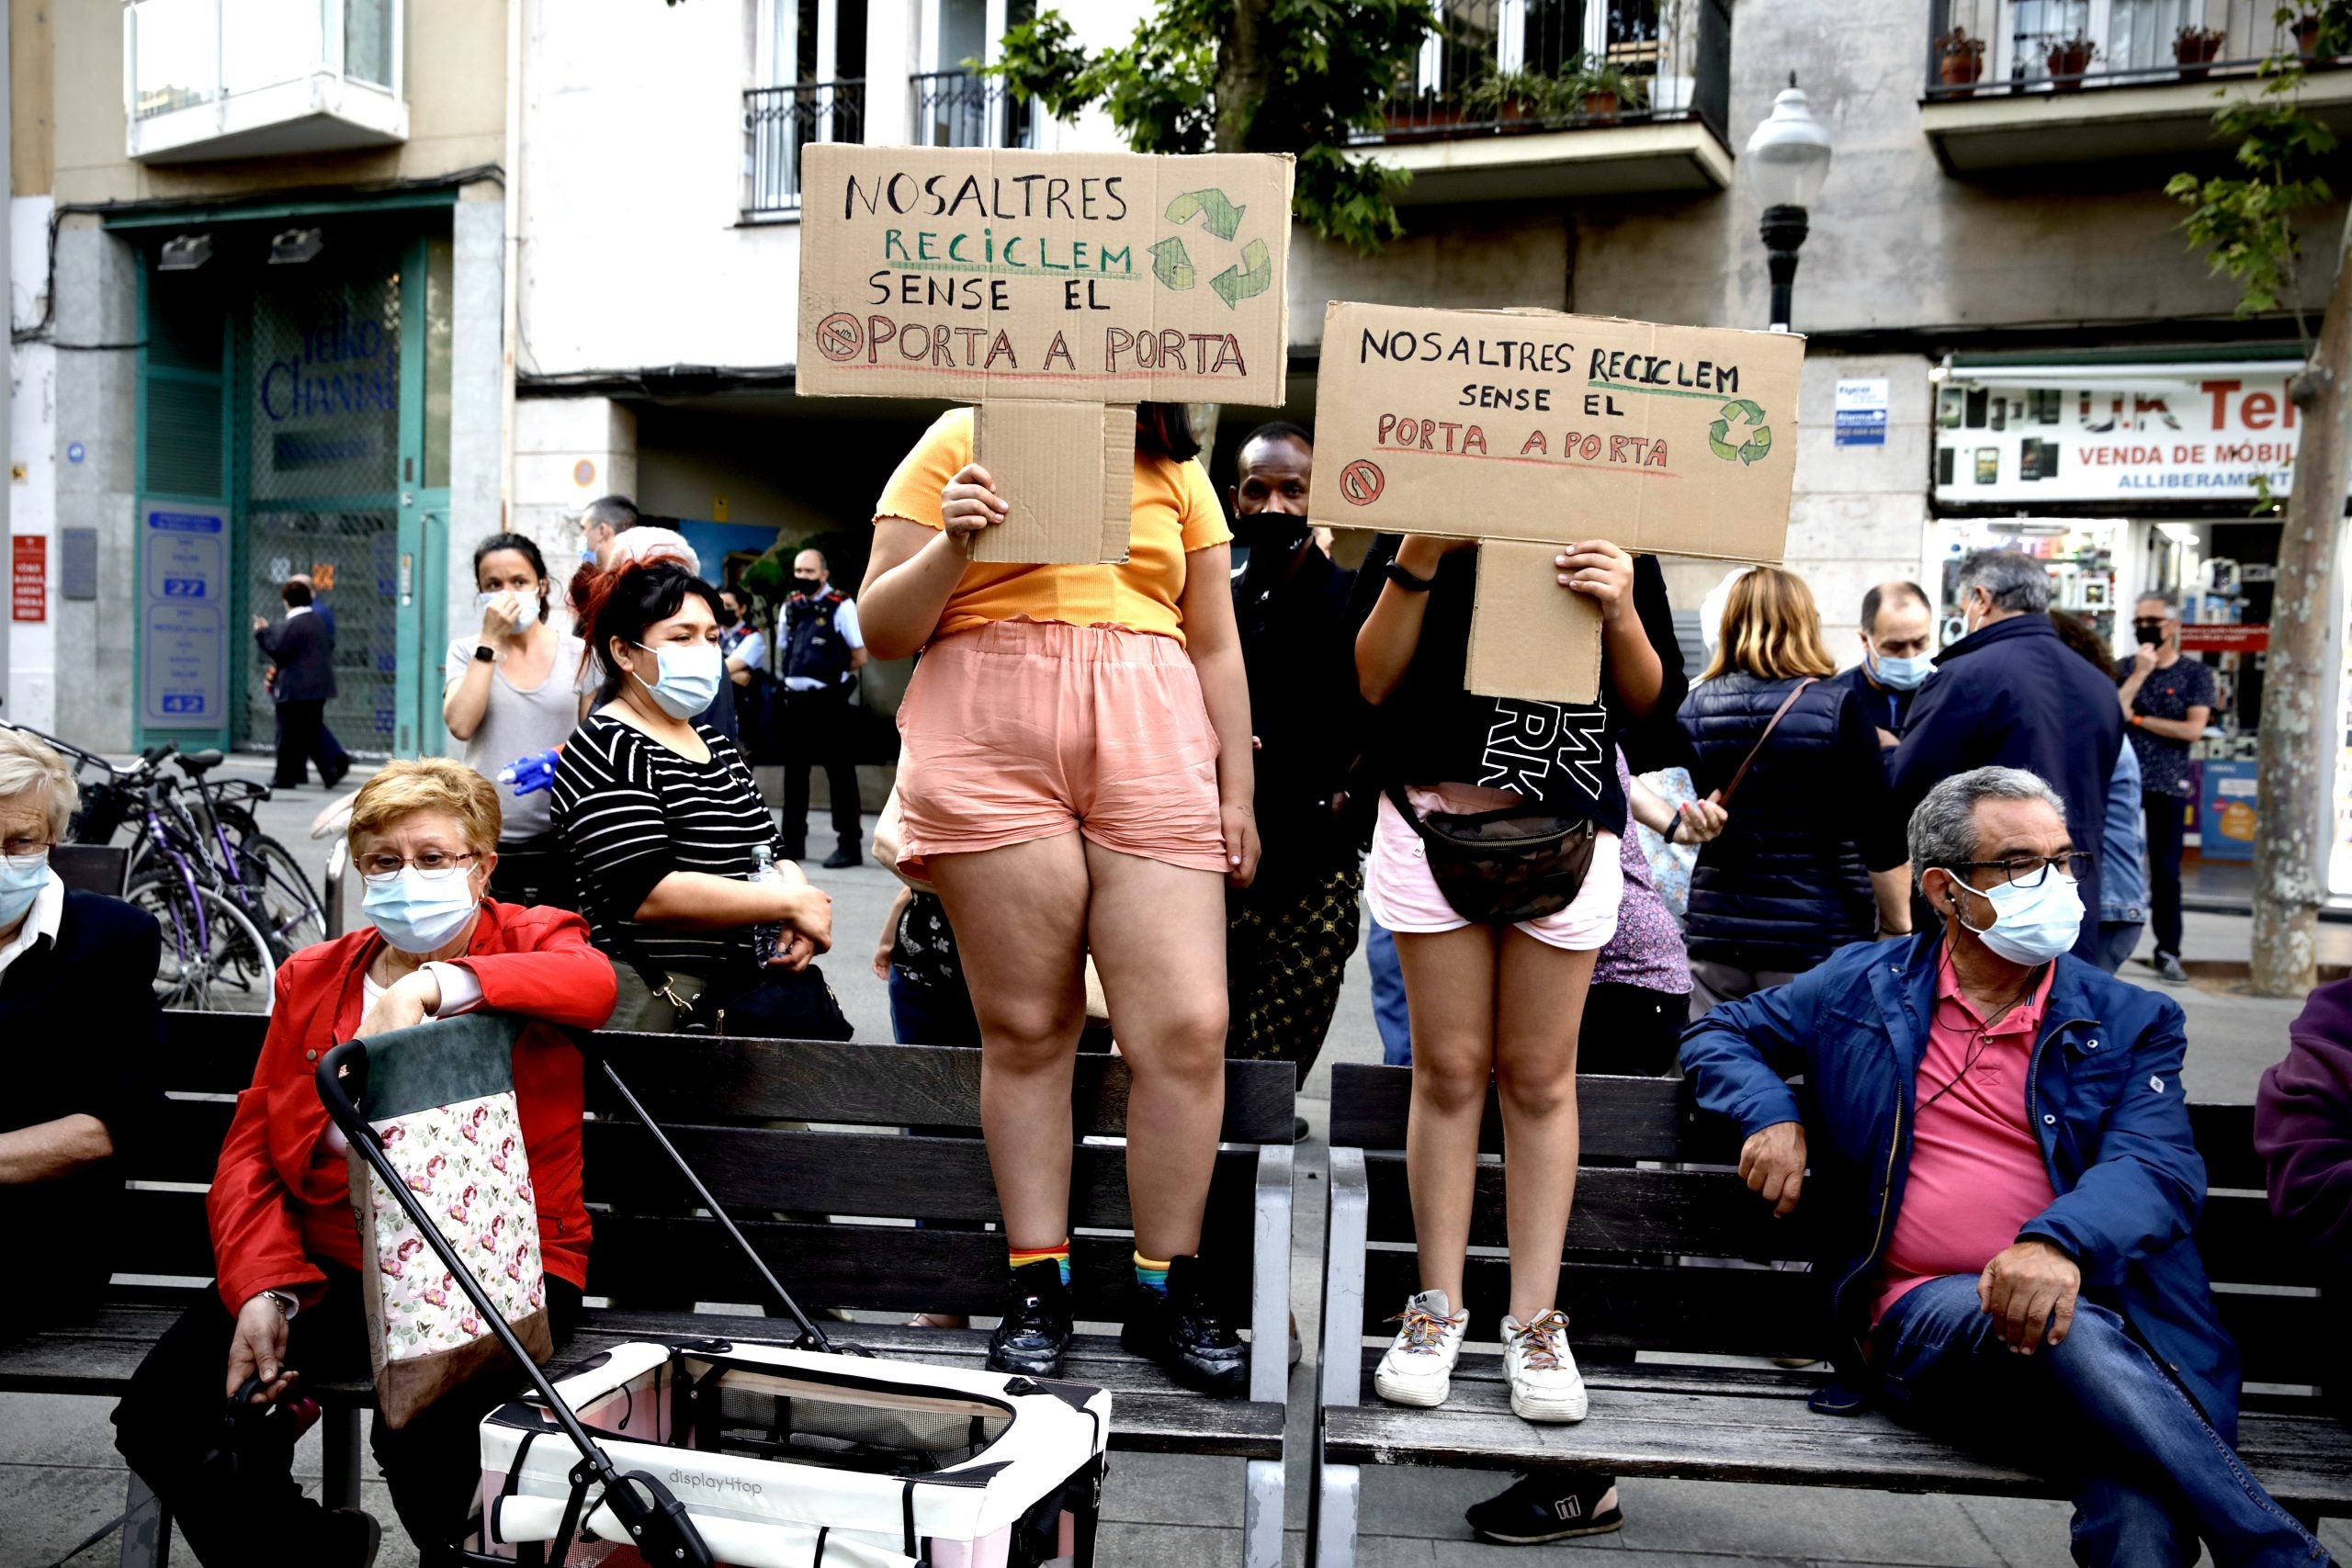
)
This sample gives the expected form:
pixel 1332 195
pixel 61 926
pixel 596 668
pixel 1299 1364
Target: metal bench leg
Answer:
pixel 1335 1517
pixel 147 1531
pixel 1261 1515
pixel 340 1432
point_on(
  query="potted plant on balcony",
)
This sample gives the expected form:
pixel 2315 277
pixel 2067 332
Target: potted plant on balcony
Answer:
pixel 2068 59
pixel 1601 92
pixel 1513 97
pixel 1960 62
pixel 2193 48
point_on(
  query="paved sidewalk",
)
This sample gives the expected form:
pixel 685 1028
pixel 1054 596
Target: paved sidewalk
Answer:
pixel 60 1477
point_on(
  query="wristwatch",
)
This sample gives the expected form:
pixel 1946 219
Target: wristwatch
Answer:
pixel 485 654
pixel 1407 581
pixel 286 1303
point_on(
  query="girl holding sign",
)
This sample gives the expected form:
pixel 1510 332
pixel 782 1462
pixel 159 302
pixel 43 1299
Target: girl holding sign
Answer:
pixel 1080 777
pixel 1498 943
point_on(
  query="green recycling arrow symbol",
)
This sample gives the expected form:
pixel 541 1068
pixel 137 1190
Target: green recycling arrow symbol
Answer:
pixel 1234 284
pixel 1759 442
pixel 1170 264
pixel 1216 210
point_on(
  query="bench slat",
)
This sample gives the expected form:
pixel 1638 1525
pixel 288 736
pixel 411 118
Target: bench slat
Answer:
pixel 1763 1312
pixel 682 1076
pixel 1644 1119
pixel 879 1174
pixel 2305 1461
pixel 886 1267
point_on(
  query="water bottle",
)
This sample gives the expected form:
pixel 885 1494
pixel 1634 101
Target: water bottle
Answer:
pixel 767 937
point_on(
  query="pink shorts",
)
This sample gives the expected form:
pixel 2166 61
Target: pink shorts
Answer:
pixel 1403 896
pixel 1025 730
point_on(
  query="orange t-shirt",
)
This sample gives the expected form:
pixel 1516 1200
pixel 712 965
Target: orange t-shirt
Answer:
pixel 1176 512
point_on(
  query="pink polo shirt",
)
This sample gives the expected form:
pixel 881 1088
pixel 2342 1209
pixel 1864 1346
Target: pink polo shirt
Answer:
pixel 1977 1174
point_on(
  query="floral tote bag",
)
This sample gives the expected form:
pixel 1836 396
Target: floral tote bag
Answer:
pixel 442 1095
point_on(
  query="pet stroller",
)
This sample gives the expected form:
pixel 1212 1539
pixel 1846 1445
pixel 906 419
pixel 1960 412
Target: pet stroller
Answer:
pixel 706 1451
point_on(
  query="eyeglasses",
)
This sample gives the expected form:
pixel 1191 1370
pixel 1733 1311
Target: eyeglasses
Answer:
pixel 2032 871
pixel 434 864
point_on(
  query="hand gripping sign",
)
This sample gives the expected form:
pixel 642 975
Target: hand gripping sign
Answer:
pixel 1056 290
pixel 1530 429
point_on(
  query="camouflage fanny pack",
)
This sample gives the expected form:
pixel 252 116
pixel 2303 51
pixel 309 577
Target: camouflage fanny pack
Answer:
pixel 1498 868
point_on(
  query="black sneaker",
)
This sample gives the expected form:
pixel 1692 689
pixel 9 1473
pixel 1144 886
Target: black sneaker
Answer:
pixel 846 855
pixel 1186 1336
pixel 1547 1507
pixel 352 1537
pixel 2167 968
pixel 1034 1335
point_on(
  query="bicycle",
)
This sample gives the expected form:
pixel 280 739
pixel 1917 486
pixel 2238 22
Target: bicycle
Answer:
pixel 215 956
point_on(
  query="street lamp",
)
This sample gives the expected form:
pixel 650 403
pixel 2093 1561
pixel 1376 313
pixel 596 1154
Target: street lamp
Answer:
pixel 1789 155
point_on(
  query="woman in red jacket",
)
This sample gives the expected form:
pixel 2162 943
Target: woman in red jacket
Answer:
pixel 287 1303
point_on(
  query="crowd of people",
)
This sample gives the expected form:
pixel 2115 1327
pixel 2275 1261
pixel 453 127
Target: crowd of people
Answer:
pixel 1168 795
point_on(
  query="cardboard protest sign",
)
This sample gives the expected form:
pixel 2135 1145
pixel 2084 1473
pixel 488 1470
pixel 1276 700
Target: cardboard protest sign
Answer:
pixel 1548 428
pixel 1079 279
pixel 1530 638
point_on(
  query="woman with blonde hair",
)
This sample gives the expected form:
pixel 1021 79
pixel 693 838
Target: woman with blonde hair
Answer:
pixel 1812 857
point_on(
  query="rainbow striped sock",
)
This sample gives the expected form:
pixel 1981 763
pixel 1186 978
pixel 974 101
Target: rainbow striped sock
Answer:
pixel 1025 1255
pixel 1152 1276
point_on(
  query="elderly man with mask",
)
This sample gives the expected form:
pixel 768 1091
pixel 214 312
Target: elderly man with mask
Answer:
pixel 2010 693
pixel 1998 1138
pixel 1898 629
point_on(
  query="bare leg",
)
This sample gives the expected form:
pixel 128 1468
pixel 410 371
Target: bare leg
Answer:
pixel 1158 933
pixel 1449 995
pixel 1020 920
pixel 1539 996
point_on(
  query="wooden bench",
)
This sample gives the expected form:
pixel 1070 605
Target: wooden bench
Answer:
pixel 1667 1414
pixel 716 1098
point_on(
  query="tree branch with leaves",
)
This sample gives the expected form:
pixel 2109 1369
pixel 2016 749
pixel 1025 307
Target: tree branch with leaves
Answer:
pixel 1298 76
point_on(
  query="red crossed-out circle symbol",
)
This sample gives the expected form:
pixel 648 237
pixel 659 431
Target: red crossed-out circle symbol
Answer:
pixel 1361 482
pixel 840 336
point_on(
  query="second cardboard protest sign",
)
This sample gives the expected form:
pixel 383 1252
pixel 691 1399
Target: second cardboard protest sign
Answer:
pixel 1075 285
pixel 1544 429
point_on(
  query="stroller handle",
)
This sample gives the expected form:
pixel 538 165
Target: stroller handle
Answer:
pixel 658 1523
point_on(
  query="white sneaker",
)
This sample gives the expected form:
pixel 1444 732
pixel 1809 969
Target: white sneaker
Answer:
pixel 1544 1383
pixel 1419 1368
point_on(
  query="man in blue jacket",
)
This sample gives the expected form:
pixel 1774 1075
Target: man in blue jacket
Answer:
pixel 2003 1176
pixel 2010 692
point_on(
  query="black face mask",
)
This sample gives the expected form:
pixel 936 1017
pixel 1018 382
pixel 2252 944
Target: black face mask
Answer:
pixel 808 585
pixel 1277 532
pixel 2150 633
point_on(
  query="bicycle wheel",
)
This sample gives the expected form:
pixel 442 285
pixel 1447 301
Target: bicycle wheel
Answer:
pixel 278 894
pixel 215 958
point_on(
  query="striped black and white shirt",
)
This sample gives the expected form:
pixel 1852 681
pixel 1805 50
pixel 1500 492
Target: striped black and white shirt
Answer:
pixel 631 811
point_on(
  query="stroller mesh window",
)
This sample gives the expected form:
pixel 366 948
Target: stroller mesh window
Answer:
pixel 772 1418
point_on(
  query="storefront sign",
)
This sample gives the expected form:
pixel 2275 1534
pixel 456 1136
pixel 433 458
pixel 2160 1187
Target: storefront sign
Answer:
pixel 182 675
pixel 29 577
pixel 1860 413
pixel 2162 439
pixel 2230 637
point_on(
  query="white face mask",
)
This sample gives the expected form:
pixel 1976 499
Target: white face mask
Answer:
pixel 688 677
pixel 2030 925
pixel 522 609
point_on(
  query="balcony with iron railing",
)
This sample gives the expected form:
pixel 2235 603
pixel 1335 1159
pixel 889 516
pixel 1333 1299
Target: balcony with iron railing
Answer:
pixel 780 121
pixel 2014 83
pixel 964 108
pixel 1532 99
pixel 206 79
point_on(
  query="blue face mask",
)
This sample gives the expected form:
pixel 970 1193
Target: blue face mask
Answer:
pixel 690 673
pixel 21 879
pixel 419 913
pixel 1902 674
